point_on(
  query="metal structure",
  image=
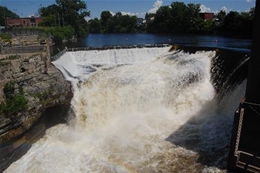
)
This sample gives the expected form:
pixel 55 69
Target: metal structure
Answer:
pixel 245 145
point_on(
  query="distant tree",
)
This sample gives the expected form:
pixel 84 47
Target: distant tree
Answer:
pixel 177 18
pixel 238 24
pixel 221 16
pixel 51 15
pixel 127 24
pixel 94 25
pixel 118 23
pixel 6 13
pixel 67 12
pixel 73 12
pixel 106 21
pixel 162 20
pixel 192 17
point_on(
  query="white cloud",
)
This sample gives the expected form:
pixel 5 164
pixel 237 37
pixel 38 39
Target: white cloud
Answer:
pixel 111 12
pixel 222 9
pixel 225 9
pixel 138 14
pixel 204 9
pixel 156 6
pixel 128 13
pixel 248 1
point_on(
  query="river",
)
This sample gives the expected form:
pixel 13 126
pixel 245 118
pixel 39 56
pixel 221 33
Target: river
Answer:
pixel 145 110
pixel 213 41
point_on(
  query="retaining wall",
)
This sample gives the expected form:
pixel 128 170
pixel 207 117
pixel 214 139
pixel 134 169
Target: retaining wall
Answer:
pixel 23 49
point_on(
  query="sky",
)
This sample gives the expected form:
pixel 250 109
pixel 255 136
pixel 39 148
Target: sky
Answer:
pixel 25 8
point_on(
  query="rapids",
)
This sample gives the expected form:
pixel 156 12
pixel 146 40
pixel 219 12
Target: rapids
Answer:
pixel 138 110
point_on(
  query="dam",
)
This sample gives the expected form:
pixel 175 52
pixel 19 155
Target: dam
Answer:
pixel 148 109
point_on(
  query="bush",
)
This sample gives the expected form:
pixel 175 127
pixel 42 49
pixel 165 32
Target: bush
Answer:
pixel 14 103
pixel 61 33
pixel 5 38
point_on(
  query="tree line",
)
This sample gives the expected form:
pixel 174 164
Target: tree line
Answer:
pixel 66 13
pixel 118 23
pixel 67 18
pixel 176 18
pixel 6 13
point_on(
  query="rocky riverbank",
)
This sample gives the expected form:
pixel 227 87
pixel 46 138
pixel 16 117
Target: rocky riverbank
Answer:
pixel 40 85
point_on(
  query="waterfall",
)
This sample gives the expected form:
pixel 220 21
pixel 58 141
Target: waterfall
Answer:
pixel 138 110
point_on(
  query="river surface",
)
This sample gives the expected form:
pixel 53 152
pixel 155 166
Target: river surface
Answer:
pixel 99 40
pixel 143 110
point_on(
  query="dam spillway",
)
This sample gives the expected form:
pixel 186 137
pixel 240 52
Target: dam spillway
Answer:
pixel 139 110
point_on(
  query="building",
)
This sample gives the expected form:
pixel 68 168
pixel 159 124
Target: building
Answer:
pixel 207 16
pixel 140 21
pixel 21 22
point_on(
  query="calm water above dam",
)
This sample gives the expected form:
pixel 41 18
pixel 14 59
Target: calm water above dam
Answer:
pixel 99 40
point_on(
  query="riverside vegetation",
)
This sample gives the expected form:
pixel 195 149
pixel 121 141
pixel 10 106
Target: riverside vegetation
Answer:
pixel 66 19
pixel 15 102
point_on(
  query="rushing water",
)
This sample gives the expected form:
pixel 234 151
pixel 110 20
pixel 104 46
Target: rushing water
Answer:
pixel 138 110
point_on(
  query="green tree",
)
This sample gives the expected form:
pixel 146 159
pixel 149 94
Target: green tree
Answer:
pixel 177 18
pixel 106 21
pixel 221 16
pixel 73 12
pixel 162 20
pixel 48 21
pixel 50 14
pixel 237 24
pixel 192 17
pixel 127 24
pixel 67 12
pixel 61 33
pixel 94 25
pixel 6 13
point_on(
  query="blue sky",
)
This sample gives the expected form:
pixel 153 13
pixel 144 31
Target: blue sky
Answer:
pixel 25 8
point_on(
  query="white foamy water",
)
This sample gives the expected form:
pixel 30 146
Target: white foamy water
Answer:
pixel 136 114
pixel 75 65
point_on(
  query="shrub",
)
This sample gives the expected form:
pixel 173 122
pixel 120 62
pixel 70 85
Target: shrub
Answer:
pixel 14 103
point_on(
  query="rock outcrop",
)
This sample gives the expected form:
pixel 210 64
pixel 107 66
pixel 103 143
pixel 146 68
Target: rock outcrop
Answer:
pixel 43 87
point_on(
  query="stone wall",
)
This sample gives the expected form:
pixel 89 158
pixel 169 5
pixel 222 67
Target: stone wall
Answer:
pixel 23 49
pixel 43 86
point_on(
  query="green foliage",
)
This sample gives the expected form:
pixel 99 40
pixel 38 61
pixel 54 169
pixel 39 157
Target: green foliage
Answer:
pixel 113 24
pixel 237 24
pixel 11 57
pixel 182 18
pixel 48 21
pixel 6 38
pixel 9 90
pixel 66 13
pixel 61 33
pixel 94 25
pixel 15 102
pixel 28 29
pixel 177 18
pixel 6 13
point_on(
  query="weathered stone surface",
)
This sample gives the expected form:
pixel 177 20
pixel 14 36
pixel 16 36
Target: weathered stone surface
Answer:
pixel 43 88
